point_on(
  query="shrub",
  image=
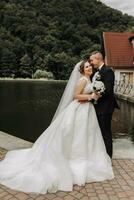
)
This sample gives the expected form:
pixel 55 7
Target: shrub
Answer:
pixel 43 74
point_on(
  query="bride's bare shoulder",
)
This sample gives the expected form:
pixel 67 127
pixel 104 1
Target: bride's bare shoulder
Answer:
pixel 82 81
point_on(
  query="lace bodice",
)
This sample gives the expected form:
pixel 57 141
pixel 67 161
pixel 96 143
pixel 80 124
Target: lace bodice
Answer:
pixel 89 86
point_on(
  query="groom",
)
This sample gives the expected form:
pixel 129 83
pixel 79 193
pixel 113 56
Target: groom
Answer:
pixel 107 102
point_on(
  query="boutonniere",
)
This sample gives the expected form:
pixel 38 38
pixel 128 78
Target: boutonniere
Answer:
pixel 97 76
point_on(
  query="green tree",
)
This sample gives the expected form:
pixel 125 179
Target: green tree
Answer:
pixel 53 35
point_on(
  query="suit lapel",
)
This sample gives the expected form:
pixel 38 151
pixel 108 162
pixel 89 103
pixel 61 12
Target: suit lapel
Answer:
pixel 102 69
pixel 102 72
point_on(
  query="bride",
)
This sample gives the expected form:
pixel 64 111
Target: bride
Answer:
pixel 70 151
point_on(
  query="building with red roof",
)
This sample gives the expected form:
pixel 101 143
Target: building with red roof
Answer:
pixel 119 54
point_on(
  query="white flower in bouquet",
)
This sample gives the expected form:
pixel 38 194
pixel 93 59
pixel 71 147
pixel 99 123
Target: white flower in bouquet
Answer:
pixel 98 86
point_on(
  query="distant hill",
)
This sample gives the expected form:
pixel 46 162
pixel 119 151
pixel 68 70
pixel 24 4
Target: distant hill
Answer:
pixel 53 34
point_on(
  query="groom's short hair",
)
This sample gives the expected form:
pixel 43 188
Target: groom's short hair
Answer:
pixel 97 52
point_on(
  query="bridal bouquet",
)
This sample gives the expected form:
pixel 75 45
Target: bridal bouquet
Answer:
pixel 98 85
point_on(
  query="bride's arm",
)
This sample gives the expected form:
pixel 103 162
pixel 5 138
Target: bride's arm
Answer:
pixel 79 89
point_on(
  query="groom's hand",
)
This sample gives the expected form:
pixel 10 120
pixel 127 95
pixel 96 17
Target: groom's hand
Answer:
pixel 99 95
pixel 96 95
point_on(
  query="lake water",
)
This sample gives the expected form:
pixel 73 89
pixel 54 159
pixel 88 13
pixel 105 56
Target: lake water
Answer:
pixel 27 108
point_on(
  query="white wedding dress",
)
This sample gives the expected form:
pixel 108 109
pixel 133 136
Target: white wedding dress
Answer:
pixel 70 151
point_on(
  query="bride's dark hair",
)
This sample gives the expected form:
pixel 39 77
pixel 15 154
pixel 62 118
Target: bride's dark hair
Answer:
pixel 81 70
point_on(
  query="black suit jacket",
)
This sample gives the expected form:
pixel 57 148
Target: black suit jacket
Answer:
pixel 107 103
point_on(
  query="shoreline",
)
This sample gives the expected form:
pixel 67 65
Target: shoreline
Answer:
pixel 30 79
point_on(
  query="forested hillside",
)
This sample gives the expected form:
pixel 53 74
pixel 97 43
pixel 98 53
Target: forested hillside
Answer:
pixel 53 34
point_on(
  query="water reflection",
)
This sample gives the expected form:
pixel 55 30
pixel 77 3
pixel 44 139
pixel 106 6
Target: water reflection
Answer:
pixel 27 107
pixel 123 120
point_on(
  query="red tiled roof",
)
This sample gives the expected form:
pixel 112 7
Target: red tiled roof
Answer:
pixel 118 49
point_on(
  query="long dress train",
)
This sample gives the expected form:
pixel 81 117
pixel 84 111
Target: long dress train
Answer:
pixel 70 151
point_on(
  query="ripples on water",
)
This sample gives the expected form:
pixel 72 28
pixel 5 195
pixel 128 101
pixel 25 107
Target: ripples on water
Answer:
pixel 27 108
